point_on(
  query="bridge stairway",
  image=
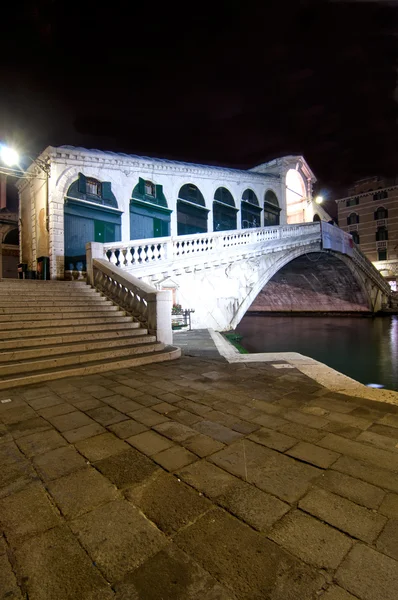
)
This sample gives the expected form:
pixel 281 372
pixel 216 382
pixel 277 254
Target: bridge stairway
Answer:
pixel 55 329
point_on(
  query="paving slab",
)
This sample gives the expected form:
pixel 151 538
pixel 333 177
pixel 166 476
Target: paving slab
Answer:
pixel 301 432
pixel 337 593
pixel 58 463
pixel 182 579
pixel 127 428
pixel 358 521
pixel 126 468
pixel 278 474
pixel 39 443
pixel 81 491
pixel 82 433
pixel 178 432
pixel 389 506
pixel 217 431
pixel 174 458
pixel 106 415
pixel 54 565
pixel 257 508
pixel 168 502
pixel 273 439
pixel 380 441
pixel 27 512
pixel 388 539
pixel 367 472
pixel 313 454
pixel 207 478
pixel 149 442
pixel 17 414
pixel 30 426
pixel 9 589
pixel 71 420
pixel 368 574
pixel 245 562
pixel 312 541
pixel 118 538
pixel 101 446
pixel 354 489
pixel 202 445
pixel 375 456
pixel 59 409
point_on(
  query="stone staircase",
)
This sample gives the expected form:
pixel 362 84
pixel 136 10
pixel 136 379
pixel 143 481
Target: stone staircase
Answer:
pixel 55 329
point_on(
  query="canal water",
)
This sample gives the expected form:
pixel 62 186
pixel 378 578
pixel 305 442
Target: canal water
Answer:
pixel 363 348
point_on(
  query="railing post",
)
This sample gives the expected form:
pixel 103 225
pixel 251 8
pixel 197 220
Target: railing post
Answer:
pixel 93 250
pixel 159 316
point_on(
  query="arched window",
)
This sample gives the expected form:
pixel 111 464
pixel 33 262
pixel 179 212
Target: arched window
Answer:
pixel 96 219
pixel 250 210
pixel 316 217
pixel 352 219
pixel 224 210
pixel 381 234
pixel 271 209
pixel 352 201
pixel 12 237
pixel 149 214
pixel 296 197
pixel 355 236
pixel 191 210
pixel 381 213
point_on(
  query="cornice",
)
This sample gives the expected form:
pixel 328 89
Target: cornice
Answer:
pixel 368 193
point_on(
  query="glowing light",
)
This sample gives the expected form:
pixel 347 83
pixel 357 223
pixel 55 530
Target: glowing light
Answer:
pixel 319 199
pixel 9 156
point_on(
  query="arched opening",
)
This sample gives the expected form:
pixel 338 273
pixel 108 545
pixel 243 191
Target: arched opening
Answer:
pixel 296 197
pixel 149 214
pixel 353 219
pixel 12 237
pixel 191 210
pixel 381 213
pixel 316 218
pixel 250 210
pixel 224 210
pixel 271 209
pixel 91 215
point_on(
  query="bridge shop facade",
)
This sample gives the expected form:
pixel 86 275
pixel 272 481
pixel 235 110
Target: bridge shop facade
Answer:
pixel 94 196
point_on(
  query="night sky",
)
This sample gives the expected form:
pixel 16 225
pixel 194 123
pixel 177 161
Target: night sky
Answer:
pixel 230 83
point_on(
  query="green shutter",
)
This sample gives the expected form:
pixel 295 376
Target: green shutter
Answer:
pixel 106 190
pixel 82 183
pixel 141 186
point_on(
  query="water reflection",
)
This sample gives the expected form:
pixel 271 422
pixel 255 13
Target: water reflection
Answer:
pixel 363 348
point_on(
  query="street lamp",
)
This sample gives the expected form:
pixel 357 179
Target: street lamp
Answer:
pixel 9 156
pixel 319 200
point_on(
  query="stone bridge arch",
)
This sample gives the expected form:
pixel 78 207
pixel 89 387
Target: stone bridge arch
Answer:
pixel 363 291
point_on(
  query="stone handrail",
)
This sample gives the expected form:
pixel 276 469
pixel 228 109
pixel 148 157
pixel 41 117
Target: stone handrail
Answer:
pixel 151 307
pixel 171 249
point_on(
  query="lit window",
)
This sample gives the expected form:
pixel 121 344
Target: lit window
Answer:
pixel 149 188
pixel 93 187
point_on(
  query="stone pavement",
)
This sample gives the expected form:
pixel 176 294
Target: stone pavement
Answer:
pixel 197 480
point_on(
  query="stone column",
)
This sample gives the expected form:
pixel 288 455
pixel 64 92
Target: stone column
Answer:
pixel 93 250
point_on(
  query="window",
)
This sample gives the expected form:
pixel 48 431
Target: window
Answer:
pixel 355 236
pixel 380 195
pixel 352 201
pixel 381 213
pixel 150 189
pixel 381 234
pixel 93 187
pixel 382 254
pixel 352 219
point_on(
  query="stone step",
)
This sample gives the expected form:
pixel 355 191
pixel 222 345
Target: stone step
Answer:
pixel 48 294
pixel 111 318
pixel 58 304
pixel 48 316
pixel 65 360
pixel 43 311
pixel 89 368
pixel 67 348
pixel 113 334
pixel 40 282
pixel 116 326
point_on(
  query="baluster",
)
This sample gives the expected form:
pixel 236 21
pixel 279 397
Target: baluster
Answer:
pixel 113 257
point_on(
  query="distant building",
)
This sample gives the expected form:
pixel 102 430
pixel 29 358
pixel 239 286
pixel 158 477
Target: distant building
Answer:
pixel 370 213
pixel 9 237
pixel 96 196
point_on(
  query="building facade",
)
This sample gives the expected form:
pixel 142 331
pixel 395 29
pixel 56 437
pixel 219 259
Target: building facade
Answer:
pixel 91 195
pixel 9 236
pixel 370 214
